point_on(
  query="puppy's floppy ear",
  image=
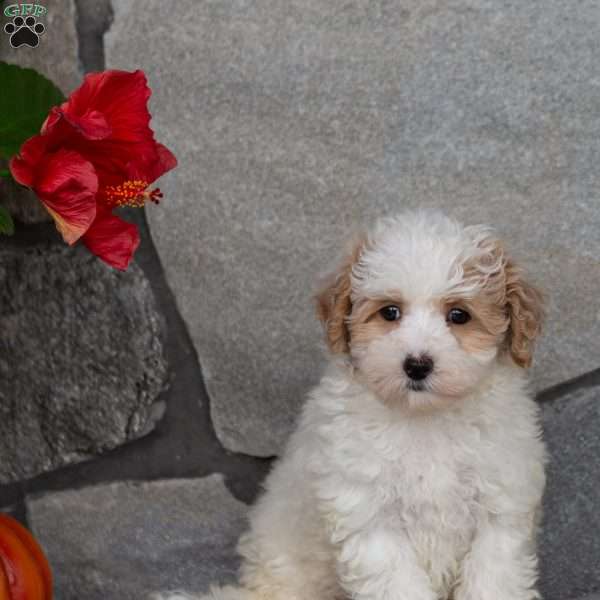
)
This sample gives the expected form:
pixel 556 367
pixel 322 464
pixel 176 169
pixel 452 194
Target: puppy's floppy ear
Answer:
pixel 525 306
pixel 334 304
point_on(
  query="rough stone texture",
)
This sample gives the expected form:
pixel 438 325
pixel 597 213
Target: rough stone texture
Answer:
pixel 294 121
pixel 56 57
pixel 21 202
pixel 570 544
pixel 93 19
pixel 122 541
pixel 80 357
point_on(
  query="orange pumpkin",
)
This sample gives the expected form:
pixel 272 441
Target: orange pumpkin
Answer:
pixel 24 570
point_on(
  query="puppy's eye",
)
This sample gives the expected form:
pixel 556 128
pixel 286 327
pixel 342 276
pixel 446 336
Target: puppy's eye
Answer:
pixel 390 313
pixel 458 316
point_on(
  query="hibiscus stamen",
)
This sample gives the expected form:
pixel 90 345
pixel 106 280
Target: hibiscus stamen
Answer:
pixel 133 192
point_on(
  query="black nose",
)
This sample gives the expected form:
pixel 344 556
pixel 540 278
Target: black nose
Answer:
pixel 418 368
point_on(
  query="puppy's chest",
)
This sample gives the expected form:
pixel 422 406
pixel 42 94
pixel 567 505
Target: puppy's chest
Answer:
pixel 437 508
pixel 435 497
pixel 431 481
pixel 424 480
pixel 427 479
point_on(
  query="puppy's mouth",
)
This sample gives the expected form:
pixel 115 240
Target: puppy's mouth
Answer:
pixel 416 386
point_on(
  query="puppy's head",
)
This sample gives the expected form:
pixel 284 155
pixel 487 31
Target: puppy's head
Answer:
pixel 423 307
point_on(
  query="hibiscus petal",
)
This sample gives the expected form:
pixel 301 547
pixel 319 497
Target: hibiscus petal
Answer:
pixel 92 125
pixel 150 167
pixel 121 97
pixel 23 166
pixel 67 184
pixel 167 159
pixel 54 120
pixel 112 239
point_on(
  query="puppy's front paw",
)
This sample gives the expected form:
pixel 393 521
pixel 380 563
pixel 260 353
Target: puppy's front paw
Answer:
pixel 215 593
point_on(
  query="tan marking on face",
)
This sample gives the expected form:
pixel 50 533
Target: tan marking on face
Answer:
pixel 366 323
pixel 509 310
pixel 489 315
pixel 487 327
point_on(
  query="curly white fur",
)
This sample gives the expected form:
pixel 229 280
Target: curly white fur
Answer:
pixel 377 500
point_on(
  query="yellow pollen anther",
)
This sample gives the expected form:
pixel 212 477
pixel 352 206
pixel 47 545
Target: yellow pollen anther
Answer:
pixel 133 192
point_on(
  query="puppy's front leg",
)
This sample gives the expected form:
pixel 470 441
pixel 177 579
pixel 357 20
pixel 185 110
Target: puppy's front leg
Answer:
pixel 502 564
pixel 378 563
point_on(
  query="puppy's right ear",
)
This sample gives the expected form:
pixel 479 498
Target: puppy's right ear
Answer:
pixel 334 303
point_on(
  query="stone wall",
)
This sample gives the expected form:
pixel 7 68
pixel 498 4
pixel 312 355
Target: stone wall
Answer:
pixel 298 122
pixel 151 403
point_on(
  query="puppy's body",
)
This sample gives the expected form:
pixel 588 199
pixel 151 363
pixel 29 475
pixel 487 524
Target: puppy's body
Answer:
pixel 390 506
pixel 404 486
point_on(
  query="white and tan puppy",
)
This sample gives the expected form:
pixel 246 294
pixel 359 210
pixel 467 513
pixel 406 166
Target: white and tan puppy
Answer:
pixel 417 469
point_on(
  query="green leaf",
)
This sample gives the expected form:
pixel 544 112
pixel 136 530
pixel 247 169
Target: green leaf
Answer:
pixel 25 101
pixel 6 223
pixel 5 173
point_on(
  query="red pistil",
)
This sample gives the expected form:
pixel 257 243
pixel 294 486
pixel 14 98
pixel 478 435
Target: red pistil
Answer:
pixel 133 192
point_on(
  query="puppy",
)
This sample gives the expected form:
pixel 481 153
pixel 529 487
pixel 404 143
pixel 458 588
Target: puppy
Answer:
pixel 417 468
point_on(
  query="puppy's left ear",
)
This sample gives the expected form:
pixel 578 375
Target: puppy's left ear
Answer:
pixel 334 303
pixel 525 305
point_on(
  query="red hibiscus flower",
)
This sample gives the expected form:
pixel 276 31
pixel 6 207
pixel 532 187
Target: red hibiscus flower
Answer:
pixel 96 152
